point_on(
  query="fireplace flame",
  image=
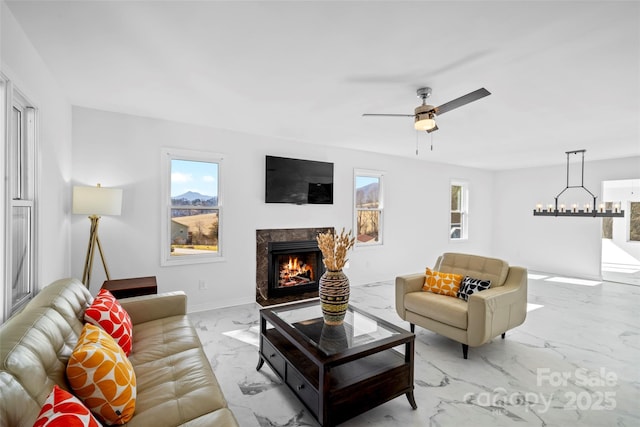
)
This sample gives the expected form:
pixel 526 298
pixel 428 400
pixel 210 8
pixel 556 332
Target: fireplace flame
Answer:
pixel 295 272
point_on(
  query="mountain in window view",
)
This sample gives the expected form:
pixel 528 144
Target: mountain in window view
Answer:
pixel 190 196
pixel 368 194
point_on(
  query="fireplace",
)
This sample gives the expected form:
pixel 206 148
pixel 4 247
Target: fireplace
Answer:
pixel 301 244
pixel 294 267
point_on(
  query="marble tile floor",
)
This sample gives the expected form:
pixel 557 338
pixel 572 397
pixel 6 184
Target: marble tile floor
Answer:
pixel 575 361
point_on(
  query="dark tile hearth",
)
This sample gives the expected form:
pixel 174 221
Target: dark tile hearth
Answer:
pixel 286 299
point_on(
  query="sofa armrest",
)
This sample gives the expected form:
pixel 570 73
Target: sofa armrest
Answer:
pixel 496 310
pixel 404 285
pixel 153 307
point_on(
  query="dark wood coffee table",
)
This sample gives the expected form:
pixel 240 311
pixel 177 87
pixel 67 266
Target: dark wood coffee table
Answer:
pixel 341 371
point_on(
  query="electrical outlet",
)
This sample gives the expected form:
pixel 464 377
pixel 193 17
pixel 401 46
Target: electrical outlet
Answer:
pixel 202 285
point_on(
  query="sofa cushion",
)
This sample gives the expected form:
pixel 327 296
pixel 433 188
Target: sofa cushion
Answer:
pixel 101 375
pixel 480 267
pixel 442 283
pixel 160 338
pixel 35 345
pixel 176 389
pixel 63 409
pixel 451 311
pixel 69 297
pixel 106 312
pixel 470 285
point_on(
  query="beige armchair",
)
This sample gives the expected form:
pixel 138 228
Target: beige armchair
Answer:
pixel 486 315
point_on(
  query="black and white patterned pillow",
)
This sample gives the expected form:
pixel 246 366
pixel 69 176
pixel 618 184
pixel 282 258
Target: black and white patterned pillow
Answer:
pixel 470 285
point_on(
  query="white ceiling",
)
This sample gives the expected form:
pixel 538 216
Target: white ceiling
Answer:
pixel 563 75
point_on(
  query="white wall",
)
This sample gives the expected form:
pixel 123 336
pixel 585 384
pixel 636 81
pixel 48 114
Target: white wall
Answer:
pixel 562 245
pixel 22 65
pixel 120 150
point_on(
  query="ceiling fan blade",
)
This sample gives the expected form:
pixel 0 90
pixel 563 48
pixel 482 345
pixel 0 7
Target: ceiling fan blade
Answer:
pixel 389 115
pixel 463 100
pixel 433 129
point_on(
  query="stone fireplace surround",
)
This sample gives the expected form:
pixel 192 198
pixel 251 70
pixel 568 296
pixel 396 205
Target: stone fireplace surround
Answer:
pixel 263 237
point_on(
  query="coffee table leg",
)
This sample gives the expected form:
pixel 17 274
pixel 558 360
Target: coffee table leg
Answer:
pixel 412 401
pixel 260 363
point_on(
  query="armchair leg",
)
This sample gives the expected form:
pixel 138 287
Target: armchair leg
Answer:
pixel 503 335
pixel 412 327
pixel 465 350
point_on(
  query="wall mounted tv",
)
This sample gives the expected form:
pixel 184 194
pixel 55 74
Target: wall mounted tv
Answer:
pixel 298 181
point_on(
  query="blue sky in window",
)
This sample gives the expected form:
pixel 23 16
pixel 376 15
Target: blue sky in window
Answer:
pixel 199 177
pixel 363 181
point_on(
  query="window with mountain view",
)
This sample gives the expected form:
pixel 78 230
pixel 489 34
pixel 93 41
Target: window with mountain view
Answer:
pixel 368 208
pixel 192 224
pixel 458 218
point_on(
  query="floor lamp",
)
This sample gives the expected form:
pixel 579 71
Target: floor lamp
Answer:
pixel 95 201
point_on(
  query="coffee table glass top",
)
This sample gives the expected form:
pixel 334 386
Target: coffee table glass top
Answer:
pixel 358 328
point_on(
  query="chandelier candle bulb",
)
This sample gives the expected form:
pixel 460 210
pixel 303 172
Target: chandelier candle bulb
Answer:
pixel 586 207
pixel 601 207
pixel 562 208
pixel 616 208
pixel 575 208
pixel 549 208
pixel 539 207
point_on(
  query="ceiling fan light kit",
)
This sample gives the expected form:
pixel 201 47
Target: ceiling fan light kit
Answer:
pixel 425 122
pixel 594 211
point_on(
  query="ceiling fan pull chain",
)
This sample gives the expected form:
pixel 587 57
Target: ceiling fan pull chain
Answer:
pixel 431 142
pixel 417 143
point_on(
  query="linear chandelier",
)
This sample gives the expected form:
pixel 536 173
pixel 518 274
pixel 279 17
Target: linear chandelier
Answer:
pixel 588 210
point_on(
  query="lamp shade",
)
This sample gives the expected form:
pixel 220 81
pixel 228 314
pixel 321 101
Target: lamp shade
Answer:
pixel 97 200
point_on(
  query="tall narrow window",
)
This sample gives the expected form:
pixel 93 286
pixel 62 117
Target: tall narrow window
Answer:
pixel 20 222
pixel 192 223
pixel 458 228
pixel 369 207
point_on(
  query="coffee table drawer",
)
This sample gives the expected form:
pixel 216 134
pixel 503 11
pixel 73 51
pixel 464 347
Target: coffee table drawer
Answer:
pixel 303 389
pixel 274 358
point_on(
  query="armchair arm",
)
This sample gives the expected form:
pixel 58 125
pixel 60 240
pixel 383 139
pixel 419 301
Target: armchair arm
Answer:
pixel 404 285
pixel 153 307
pixel 496 310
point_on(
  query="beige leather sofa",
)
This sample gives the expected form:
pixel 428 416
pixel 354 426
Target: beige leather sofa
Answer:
pixel 486 315
pixel 175 382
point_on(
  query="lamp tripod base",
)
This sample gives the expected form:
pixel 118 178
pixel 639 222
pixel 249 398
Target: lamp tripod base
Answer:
pixel 94 242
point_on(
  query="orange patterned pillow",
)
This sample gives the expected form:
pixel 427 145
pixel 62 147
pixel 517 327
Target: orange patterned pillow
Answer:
pixel 102 377
pixel 63 409
pixel 442 283
pixel 106 312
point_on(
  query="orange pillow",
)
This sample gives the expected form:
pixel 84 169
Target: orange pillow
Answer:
pixel 102 377
pixel 442 283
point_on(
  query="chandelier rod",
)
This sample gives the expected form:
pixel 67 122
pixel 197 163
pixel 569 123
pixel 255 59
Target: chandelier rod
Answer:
pixel 581 182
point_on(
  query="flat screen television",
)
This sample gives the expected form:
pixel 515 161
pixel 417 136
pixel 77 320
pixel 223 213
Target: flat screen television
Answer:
pixel 298 181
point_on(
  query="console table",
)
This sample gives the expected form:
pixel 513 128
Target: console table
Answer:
pixel 338 372
pixel 125 288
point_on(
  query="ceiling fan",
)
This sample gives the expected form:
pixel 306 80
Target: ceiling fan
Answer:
pixel 425 114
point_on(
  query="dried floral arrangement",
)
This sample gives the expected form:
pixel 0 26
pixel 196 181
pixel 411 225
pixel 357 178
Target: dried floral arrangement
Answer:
pixel 334 248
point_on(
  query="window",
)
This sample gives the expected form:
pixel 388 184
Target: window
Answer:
pixel 369 207
pixel 191 229
pixel 19 267
pixel 458 229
